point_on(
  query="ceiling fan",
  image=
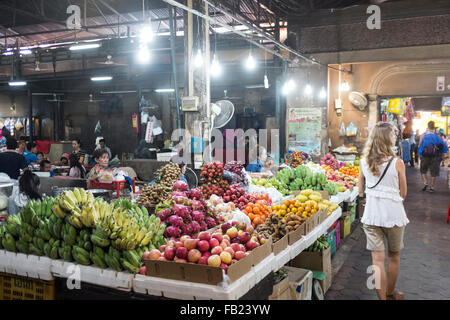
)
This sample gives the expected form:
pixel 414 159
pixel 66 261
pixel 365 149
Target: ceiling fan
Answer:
pixel 226 97
pixel 110 62
pixel 91 99
pixel 55 99
pixel 37 67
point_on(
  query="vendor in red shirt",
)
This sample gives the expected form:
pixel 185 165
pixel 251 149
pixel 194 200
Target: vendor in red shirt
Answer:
pixel 101 158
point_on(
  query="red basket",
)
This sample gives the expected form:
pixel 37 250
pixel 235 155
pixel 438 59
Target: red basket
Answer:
pixel 114 185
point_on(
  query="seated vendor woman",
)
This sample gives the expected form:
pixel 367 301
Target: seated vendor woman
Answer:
pixel 258 165
pixel 101 158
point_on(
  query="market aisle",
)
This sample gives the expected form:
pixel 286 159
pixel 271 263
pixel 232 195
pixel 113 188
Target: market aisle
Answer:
pixel 425 261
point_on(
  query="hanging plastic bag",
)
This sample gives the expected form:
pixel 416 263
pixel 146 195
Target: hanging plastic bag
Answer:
pixel 352 130
pixel 98 128
pixel 342 131
pixel 19 125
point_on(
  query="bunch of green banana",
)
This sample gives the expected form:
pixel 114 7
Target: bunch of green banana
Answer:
pixel 112 259
pixel 131 261
pixel 81 256
pixel 319 245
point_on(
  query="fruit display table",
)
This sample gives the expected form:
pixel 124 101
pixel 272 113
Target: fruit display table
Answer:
pixel 153 287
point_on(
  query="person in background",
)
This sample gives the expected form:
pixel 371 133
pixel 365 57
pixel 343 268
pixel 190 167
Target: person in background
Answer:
pixel 431 149
pixel 64 159
pixel 183 167
pixel 28 189
pixel 412 144
pixel 46 166
pixel 102 145
pixel 10 161
pixel 258 165
pixel 30 154
pixel 384 177
pixel 101 158
pixel 406 149
pixel 76 145
pixel 77 170
pixel 41 156
pixel 22 147
pixel 142 151
pixel 416 143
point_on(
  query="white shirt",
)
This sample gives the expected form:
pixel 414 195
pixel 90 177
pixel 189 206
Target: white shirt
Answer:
pixel 384 205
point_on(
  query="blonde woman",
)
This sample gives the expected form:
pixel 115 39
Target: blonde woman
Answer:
pixel 384 215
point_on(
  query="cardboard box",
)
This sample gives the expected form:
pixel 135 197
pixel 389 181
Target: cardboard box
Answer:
pixel 207 274
pixel 317 261
pixel 280 245
pixel 281 290
pixel 300 283
pixel 331 239
pixel 326 282
pixel 296 235
pixel 345 221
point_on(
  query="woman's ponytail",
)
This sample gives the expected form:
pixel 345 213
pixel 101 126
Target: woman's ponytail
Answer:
pixel 28 184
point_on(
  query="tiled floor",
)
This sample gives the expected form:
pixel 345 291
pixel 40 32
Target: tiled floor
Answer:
pixel 425 260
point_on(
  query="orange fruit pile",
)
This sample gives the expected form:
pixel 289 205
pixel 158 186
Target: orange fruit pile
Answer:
pixel 352 171
pixel 294 206
pixel 257 212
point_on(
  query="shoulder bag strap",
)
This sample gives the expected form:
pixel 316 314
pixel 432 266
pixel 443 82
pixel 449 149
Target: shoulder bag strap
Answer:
pixel 384 173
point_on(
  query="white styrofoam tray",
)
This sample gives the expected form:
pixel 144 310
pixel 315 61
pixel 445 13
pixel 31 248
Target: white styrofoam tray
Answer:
pixel 103 277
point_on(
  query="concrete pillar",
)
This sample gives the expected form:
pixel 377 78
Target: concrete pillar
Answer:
pixel 197 124
pixel 373 111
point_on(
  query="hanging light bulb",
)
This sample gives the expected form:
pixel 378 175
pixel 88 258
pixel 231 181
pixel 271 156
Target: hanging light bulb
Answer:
pixel 143 54
pixel 198 60
pixel 288 87
pixel 266 82
pixel 308 89
pixel 323 93
pixel 250 63
pixel 345 86
pixel 216 69
pixel 146 33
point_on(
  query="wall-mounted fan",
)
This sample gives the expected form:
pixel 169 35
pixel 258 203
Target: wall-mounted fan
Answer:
pixel 222 112
pixel 191 178
pixel 358 99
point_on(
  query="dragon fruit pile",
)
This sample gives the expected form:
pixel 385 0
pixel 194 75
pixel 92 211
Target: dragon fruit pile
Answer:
pixel 330 161
pixel 186 212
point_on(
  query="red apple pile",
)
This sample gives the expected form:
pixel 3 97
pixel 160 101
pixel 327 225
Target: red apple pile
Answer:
pixel 225 246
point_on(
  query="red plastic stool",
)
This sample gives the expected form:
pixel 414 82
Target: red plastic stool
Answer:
pixel 448 213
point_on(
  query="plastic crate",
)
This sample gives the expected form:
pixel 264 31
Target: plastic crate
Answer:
pixel 331 238
pixel 113 185
pixel 13 287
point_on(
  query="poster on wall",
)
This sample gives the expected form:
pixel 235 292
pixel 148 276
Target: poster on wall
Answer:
pixel 304 130
pixel 440 84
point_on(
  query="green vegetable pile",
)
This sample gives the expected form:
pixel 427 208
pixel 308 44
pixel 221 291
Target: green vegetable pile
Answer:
pixel 319 245
pixel 302 178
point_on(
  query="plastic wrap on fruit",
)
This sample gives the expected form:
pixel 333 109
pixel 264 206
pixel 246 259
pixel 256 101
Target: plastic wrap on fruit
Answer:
pixel 230 177
pixel 239 216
